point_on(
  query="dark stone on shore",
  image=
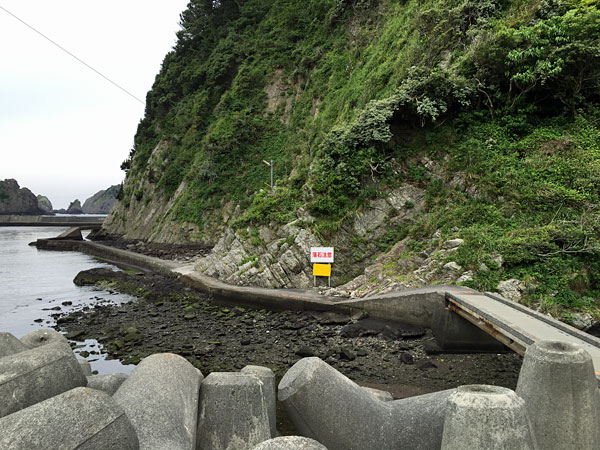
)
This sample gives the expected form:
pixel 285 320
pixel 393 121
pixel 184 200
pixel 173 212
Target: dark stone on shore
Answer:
pixel 384 329
pixel 73 335
pixel 406 358
pixel 305 351
pixel 425 365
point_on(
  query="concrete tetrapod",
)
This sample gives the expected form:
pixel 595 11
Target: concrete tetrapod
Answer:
pixel 38 338
pixel 325 405
pixel 290 443
pixel 86 367
pixel 481 417
pixel 267 376
pixel 108 383
pixel 34 375
pixel 160 397
pixel 559 387
pixel 79 419
pixel 9 345
pixel 233 414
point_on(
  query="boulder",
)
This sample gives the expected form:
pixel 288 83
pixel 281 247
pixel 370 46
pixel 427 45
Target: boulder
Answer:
pixel 481 417
pixel 453 243
pixel 81 418
pixel 233 414
pixel 31 376
pixel 9 345
pixel 107 383
pixel 38 338
pixel 512 289
pixel 160 397
pixel 290 443
pixel 558 384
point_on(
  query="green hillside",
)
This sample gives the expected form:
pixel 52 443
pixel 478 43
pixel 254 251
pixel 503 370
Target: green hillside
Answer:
pixel 490 106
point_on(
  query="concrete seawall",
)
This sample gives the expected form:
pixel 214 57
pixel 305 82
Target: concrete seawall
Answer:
pixel 94 222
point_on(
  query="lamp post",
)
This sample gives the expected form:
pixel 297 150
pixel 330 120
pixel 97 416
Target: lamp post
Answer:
pixel 270 164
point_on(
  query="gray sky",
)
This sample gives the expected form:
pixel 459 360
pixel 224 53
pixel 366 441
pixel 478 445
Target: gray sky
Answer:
pixel 64 130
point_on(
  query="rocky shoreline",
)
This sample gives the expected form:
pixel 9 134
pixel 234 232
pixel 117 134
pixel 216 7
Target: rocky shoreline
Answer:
pixel 170 317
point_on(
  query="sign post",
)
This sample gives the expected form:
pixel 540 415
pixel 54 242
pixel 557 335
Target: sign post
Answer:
pixel 322 258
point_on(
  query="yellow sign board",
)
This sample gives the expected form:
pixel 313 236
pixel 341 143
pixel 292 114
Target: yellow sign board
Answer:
pixel 322 270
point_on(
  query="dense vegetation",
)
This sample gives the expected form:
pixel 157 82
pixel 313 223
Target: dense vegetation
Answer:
pixel 347 97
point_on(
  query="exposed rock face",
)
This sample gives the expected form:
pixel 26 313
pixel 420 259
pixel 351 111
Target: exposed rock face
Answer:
pixel 75 207
pixel 279 256
pixel 101 202
pixel 45 204
pixel 17 200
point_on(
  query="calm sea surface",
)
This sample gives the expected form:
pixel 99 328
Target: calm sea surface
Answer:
pixel 33 281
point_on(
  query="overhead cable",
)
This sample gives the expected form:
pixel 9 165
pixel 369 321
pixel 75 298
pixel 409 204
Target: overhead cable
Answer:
pixel 71 54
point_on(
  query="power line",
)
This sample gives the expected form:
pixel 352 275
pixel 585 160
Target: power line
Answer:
pixel 71 54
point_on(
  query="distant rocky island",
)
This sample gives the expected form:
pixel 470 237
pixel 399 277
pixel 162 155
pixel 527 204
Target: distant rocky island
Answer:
pixel 101 202
pixel 16 200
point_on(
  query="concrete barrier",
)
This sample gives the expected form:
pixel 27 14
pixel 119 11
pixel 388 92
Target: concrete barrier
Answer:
pixel 383 396
pixel 290 443
pixel 160 397
pixel 81 418
pixel 325 405
pixel 9 345
pixel 233 414
pixel 558 383
pixel 86 367
pixel 106 383
pixel 32 376
pixel 267 376
pixel 480 417
pixel 38 338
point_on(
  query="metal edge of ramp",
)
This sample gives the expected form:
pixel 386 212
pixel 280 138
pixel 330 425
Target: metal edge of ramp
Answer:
pixel 508 336
pixel 512 337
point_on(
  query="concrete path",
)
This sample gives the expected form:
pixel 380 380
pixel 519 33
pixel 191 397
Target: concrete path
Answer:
pixel 516 325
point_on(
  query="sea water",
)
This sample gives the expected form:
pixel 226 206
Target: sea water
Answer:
pixel 35 283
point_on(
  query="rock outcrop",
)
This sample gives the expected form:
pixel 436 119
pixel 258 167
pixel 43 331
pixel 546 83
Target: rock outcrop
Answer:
pixel 45 204
pixel 75 207
pixel 16 200
pixel 101 202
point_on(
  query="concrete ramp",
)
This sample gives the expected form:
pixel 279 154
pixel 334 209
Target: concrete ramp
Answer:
pixel 516 325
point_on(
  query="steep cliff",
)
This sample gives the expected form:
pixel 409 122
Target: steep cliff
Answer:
pixel 16 200
pixel 393 127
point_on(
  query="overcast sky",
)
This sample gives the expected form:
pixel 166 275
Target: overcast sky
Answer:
pixel 64 130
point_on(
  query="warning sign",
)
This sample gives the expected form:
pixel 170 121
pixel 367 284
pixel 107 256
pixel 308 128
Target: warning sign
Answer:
pixel 322 270
pixel 321 255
